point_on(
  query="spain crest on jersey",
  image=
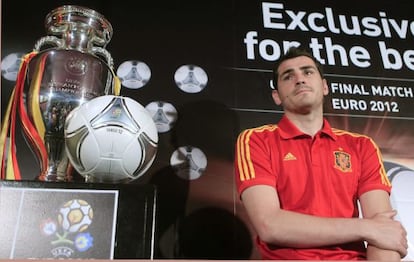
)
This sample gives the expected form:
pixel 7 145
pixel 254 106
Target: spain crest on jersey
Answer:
pixel 342 161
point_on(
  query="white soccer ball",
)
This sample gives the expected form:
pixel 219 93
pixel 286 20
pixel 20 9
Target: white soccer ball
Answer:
pixel 10 65
pixel 191 78
pixel 402 200
pixel 111 139
pixel 134 74
pixel 188 162
pixel 164 115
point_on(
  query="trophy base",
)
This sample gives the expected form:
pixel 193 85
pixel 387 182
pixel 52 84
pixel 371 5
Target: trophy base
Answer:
pixel 54 178
pixel 54 174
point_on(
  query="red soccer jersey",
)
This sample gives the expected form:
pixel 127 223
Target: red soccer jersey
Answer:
pixel 322 176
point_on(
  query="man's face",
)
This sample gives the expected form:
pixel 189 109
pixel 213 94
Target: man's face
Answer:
pixel 300 85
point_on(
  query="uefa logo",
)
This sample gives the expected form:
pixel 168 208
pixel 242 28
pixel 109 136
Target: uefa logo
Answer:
pixel 76 66
pixel 68 233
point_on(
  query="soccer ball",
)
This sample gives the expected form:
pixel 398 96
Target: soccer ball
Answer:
pixel 402 199
pixel 10 66
pixel 134 74
pixel 75 216
pixel 188 162
pixel 111 139
pixel 191 78
pixel 164 115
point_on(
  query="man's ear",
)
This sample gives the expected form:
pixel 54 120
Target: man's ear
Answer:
pixel 325 87
pixel 276 97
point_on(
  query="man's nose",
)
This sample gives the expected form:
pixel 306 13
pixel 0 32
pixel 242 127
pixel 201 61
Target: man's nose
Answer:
pixel 300 81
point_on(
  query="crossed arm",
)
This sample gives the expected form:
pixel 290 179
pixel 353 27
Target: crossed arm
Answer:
pixel 386 237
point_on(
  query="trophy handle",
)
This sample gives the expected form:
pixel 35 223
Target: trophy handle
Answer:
pixel 59 43
pixel 116 84
pixel 49 40
pixel 105 54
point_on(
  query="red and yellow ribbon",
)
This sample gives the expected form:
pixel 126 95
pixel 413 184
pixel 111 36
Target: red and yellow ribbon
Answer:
pixel 10 169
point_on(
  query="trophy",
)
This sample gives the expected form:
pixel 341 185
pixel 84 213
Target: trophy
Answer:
pixel 68 67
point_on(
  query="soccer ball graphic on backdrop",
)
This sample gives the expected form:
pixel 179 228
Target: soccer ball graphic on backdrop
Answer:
pixel 402 199
pixel 111 139
pixel 134 74
pixel 10 66
pixel 75 215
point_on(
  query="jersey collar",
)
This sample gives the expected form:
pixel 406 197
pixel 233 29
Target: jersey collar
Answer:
pixel 288 130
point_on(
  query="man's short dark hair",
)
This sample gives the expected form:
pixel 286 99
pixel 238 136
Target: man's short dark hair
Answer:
pixel 294 52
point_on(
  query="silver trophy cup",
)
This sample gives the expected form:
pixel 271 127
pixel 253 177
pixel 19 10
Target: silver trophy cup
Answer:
pixel 71 66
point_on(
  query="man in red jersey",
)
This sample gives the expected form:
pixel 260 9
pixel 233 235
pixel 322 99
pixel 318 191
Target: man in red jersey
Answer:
pixel 300 180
